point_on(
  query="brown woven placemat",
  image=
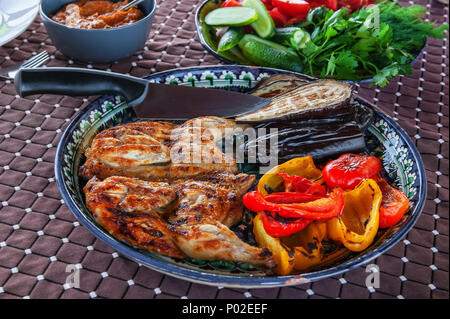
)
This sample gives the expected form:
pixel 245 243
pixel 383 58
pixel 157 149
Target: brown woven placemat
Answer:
pixel 39 236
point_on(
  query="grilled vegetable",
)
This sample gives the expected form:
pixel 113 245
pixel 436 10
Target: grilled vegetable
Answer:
pixel 299 184
pixel 277 84
pixel 280 252
pixel 350 169
pixel 323 141
pixel 307 245
pixel 301 166
pixel 357 226
pixel 280 227
pixel 393 206
pixel 291 198
pixel 312 100
pixel 319 209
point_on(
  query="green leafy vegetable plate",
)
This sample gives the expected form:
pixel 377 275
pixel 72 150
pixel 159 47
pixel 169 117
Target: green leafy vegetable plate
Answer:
pixel 373 44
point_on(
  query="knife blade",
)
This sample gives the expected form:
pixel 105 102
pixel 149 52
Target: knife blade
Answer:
pixel 150 100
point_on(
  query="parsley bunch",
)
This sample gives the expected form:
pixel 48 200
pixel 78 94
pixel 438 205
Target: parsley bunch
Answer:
pixel 378 41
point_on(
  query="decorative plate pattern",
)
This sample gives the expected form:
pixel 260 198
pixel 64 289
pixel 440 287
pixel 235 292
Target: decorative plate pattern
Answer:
pixel 384 138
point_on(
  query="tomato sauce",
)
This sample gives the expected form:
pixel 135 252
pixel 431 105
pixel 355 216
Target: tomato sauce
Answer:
pixel 100 14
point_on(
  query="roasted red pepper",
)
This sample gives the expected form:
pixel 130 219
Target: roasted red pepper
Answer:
pixel 231 3
pixel 300 184
pixel 393 205
pixel 320 209
pixel 290 198
pixel 350 169
pixel 280 227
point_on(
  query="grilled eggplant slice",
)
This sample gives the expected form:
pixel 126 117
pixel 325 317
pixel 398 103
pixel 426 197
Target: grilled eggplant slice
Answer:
pixel 322 142
pixel 316 99
pixel 277 84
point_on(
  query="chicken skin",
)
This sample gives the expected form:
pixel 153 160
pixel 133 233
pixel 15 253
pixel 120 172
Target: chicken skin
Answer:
pixel 129 209
pixel 160 151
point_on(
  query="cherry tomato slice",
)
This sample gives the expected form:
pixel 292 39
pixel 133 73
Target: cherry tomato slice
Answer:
pixel 350 169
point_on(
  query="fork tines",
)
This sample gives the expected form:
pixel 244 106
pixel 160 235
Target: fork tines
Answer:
pixel 36 60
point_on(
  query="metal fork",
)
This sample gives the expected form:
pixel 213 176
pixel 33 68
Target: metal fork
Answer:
pixel 9 72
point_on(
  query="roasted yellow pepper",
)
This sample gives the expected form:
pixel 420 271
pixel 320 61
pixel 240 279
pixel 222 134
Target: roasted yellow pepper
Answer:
pixel 357 226
pixel 300 166
pixel 282 255
pixel 307 245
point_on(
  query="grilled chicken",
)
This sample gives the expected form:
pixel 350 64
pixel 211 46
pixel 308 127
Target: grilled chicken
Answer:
pixel 177 192
pixel 189 218
pixel 199 223
pixel 129 209
pixel 159 151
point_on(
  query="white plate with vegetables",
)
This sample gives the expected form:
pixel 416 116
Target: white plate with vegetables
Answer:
pixel 352 40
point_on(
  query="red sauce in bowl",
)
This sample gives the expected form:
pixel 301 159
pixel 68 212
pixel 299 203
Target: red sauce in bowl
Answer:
pixel 99 14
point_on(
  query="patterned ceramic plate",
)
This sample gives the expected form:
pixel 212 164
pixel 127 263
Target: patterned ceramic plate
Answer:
pixel 384 139
pixel 15 17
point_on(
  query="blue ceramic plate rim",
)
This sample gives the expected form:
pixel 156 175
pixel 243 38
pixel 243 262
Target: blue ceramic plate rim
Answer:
pixel 240 281
pixel 45 17
pixel 224 59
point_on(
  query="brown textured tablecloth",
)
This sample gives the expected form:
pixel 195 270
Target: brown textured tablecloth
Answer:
pixel 39 236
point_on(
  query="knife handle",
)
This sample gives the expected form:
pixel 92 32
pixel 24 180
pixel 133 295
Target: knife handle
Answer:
pixel 77 81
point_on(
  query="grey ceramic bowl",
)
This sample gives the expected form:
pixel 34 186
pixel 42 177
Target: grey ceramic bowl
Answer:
pixel 97 45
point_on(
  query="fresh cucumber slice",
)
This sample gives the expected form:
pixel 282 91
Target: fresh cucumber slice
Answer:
pixel 268 53
pixel 264 26
pixel 231 16
pixel 230 39
pixel 283 35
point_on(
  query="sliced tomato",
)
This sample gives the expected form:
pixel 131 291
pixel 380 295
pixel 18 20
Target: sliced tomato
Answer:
pixel 330 4
pixel 268 4
pixel 278 17
pixel 354 5
pixel 297 19
pixel 292 8
pixel 231 3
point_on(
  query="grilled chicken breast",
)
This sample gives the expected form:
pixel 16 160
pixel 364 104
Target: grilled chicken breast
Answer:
pixel 159 151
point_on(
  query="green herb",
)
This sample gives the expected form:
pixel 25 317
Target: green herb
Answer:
pixel 376 42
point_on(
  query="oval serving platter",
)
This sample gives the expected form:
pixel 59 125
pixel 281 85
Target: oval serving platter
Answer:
pixel 208 39
pixel 384 139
